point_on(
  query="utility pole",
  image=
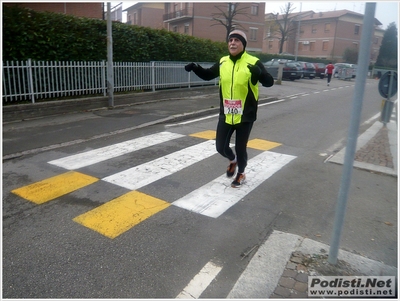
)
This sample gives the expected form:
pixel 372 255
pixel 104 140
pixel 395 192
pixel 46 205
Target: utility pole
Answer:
pixel 110 71
pixel 362 70
pixel 297 35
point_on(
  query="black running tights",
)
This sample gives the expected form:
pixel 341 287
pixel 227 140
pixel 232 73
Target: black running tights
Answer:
pixel 224 134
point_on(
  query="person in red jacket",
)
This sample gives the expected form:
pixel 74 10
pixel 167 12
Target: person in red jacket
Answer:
pixel 329 71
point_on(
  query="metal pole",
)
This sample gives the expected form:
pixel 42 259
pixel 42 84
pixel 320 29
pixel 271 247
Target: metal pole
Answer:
pixel 390 85
pixel 297 37
pixel 363 62
pixel 387 107
pixel 31 88
pixel 110 72
pixel 280 73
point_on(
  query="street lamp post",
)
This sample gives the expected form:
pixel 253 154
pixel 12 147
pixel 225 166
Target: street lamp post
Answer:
pixel 297 37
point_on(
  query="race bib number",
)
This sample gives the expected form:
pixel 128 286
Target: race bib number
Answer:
pixel 233 107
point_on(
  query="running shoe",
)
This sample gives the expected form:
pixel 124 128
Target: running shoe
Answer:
pixel 231 170
pixel 239 180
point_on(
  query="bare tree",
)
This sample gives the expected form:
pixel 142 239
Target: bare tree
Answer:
pixel 283 26
pixel 226 16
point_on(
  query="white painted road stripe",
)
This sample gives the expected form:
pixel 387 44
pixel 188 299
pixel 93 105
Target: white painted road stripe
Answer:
pixel 214 198
pixel 115 150
pixel 149 172
pixel 200 282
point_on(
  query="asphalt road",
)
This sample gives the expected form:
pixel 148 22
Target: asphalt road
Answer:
pixel 55 250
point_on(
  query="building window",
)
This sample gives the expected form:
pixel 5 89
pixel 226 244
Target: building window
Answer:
pixel 253 34
pixel 357 29
pixel 325 45
pixel 301 29
pixel 300 46
pixel 376 41
pixel 186 29
pixel 254 9
pixel 268 32
pixel 270 44
pixel 327 27
pixel 175 28
pixel 314 28
pixel 135 19
pixel 312 46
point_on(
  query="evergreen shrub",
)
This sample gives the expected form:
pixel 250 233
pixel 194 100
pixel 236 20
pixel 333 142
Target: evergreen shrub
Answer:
pixel 46 36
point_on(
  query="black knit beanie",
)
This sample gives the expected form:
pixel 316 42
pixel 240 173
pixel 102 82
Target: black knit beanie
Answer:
pixel 240 35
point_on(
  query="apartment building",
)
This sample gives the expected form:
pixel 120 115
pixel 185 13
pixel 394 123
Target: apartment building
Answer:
pixel 146 14
pixel 80 9
pixel 203 19
pixel 324 35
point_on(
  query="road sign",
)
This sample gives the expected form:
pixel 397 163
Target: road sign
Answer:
pixel 385 82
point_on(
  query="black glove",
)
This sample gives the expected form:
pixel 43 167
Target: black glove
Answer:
pixel 254 69
pixel 190 67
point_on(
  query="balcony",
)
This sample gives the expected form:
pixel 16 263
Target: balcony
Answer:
pixel 179 15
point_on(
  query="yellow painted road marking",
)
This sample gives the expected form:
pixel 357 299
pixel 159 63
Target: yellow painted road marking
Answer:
pixel 260 144
pixel 119 215
pixel 54 187
pixel 263 145
pixel 211 135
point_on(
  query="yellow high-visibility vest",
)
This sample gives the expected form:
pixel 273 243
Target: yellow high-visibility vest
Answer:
pixel 239 95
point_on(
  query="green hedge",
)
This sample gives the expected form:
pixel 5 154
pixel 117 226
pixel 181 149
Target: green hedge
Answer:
pixel 57 37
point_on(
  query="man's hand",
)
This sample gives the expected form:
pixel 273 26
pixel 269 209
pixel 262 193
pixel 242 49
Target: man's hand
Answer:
pixel 190 67
pixel 254 69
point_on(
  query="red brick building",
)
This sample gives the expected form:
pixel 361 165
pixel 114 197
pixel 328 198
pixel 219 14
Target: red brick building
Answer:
pixel 197 19
pixel 80 9
pixel 146 14
pixel 324 35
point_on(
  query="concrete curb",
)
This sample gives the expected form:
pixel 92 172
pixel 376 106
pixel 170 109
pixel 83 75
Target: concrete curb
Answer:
pixel 265 269
pixel 58 107
pixel 362 141
pixel 262 274
pixel 393 131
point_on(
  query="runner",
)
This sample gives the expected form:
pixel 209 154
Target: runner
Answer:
pixel 239 74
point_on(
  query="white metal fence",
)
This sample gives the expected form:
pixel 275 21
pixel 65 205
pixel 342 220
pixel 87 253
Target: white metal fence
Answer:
pixel 33 80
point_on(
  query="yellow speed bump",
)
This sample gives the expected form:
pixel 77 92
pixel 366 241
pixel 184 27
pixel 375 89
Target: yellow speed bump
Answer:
pixel 54 187
pixel 263 145
pixel 119 215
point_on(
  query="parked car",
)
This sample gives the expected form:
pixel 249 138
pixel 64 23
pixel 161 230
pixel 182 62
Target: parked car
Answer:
pixel 291 71
pixel 319 70
pixel 300 68
pixel 308 69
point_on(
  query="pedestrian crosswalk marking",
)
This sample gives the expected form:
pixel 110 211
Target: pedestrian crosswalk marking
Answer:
pixel 121 214
pixel 112 151
pixel 118 215
pixel 54 187
pixel 262 144
pixel 214 198
pixel 205 135
pixel 149 172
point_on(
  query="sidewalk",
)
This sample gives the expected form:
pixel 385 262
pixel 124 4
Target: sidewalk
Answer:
pixel 376 148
